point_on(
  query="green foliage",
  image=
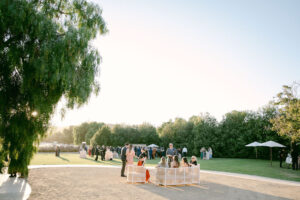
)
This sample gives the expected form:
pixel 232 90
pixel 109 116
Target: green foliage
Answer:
pixel 65 136
pixel 79 133
pixel 45 53
pixel 147 134
pixel 227 138
pixel 85 131
pixel 178 132
pixel 287 122
pixel 3 155
pixel 204 132
pixel 93 128
pixel 102 137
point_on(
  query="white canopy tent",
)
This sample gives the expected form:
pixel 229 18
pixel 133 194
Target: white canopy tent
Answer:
pixel 152 146
pixel 254 144
pixel 271 144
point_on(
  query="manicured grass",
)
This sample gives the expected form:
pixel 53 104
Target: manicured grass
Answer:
pixel 243 166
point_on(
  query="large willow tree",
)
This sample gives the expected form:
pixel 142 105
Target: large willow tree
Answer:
pixel 45 54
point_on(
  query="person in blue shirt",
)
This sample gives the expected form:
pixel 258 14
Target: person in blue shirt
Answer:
pixel 150 153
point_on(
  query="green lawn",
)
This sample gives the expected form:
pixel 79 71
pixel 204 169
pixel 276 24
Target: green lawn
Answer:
pixel 243 166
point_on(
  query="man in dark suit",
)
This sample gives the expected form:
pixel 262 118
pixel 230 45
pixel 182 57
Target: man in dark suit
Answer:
pixel 123 158
pixel 295 157
pixel 281 156
pixel 97 152
pixel 102 152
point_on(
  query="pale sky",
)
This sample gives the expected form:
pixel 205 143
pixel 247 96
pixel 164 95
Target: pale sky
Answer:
pixel 164 59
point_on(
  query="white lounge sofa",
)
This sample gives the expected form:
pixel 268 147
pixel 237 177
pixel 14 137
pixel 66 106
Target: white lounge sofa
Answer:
pixel 178 176
pixel 136 174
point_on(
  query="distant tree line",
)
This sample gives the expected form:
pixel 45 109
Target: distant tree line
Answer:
pixel 227 138
pixel 279 121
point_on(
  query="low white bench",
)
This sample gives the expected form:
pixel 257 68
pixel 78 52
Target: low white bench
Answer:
pixel 178 176
pixel 136 174
pixel 82 154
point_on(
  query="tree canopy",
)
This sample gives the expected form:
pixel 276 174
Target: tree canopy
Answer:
pixel 287 122
pixel 45 54
pixel 102 137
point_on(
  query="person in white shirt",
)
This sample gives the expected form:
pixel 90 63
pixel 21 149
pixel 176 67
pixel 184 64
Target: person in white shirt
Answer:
pixel 184 152
pixel 207 155
pixel 210 152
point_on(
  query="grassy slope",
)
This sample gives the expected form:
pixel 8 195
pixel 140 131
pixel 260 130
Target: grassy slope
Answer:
pixel 243 166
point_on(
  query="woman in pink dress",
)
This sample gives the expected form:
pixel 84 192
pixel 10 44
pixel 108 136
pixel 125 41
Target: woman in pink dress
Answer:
pixel 130 154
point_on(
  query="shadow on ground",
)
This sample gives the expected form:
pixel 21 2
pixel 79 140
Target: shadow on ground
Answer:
pixel 106 183
pixel 64 159
pixel 203 191
pixel 107 162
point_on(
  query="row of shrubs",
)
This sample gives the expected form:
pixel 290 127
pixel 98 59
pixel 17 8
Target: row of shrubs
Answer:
pixel 51 147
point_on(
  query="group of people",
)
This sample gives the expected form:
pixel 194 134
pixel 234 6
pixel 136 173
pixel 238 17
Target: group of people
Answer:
pixel 170 161
pixel 173 162
pixel 104 152
pixel 206 154
pixel 173 159
pixel 127 156
pixel 291 158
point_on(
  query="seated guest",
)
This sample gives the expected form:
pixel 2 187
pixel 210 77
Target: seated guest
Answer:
pixel 143 153
pixel 184 162
pixel 141 162
pixel 175 163
pixel 163 163
pixel 193 161
pixel 108 154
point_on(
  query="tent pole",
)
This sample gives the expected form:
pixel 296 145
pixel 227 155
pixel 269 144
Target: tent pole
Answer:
pixel 256 151
pixel 271 154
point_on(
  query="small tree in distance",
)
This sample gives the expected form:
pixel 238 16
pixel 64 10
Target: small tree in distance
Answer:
pixel 102 137
pixel 287 122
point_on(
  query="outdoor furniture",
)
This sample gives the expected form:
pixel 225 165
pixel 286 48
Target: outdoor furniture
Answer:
pixel 136 174
pixel 178 176
pixel 82 154
pixel 271 144
pixel 254 144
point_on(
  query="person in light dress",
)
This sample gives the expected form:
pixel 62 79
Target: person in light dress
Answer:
pixel 108 154
pixel 130 154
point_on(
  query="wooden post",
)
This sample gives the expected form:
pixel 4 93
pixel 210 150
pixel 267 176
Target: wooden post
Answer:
pixel 271 154
pixel 256 151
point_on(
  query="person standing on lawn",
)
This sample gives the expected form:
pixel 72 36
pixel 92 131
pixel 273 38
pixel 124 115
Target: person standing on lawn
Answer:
pixel 281 156
pixel 138 151
pixel 184 152
pixel 154 153
pixel 93 150
pixel 150 153
pixel 130 154
pixel 171 152
pixel 123 158
pixel 295 157
pixel 97 151
pixel 202 152
pixel 103 151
